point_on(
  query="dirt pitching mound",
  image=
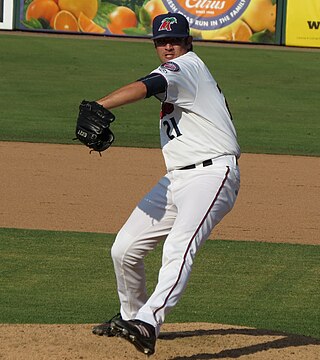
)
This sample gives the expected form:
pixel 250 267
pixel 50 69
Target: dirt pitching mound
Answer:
pixel 176 342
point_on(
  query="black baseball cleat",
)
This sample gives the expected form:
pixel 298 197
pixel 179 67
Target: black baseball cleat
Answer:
pixel 141 334
pixel 105 328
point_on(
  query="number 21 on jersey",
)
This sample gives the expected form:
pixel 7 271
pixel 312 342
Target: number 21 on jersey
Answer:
pixel 171 126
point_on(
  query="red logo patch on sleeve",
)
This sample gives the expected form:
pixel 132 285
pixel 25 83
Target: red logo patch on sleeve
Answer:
pixel 171 66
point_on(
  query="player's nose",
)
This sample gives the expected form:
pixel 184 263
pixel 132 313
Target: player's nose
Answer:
pixel 168 45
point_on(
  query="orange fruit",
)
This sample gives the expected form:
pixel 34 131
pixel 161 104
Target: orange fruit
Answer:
pixel 261 15
pixel 155 8
pixel 88 7
pixel 65 21
pixel 45 9
pixel 237 31
pixel 218 34
pixel 121 18
pixel 241 31
pixel 88 26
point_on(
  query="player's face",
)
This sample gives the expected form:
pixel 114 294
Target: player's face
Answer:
pixel 170 48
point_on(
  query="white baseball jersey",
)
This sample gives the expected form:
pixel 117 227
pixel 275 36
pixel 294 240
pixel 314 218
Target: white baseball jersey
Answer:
pixel 195 122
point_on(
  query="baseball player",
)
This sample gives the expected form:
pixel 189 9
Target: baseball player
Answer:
pixel 201 153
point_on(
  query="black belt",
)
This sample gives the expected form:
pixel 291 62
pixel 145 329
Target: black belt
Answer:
pixel 204 164
pixel 193 166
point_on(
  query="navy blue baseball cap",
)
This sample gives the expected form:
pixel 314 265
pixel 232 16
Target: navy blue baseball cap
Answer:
pixel 170 25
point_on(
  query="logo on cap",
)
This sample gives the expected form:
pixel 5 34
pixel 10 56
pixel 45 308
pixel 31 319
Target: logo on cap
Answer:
pixel 166 23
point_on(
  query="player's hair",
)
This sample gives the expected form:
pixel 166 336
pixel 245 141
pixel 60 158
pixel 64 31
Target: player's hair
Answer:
pixel 186 43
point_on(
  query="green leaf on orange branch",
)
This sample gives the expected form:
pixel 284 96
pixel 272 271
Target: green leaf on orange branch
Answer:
pixel 144 17
pixel 32 24
pixel 263 37
pixel 102 17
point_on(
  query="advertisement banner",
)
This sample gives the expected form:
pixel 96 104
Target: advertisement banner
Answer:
pixel 224 20
pixel 303 23
pixel 6 14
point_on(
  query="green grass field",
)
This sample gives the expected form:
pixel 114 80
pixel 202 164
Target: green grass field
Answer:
pixel 67 277
pixel 273 95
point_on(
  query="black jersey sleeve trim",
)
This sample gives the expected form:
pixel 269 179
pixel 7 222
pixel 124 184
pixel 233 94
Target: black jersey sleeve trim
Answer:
pixel 155 83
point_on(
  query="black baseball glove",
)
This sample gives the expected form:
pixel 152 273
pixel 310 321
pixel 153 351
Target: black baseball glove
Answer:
pixel 93 126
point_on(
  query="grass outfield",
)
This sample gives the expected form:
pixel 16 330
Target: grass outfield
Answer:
pixel 67 277
pixel 273 95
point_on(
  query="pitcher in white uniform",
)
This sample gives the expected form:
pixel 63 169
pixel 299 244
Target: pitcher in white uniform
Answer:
pixel 201 153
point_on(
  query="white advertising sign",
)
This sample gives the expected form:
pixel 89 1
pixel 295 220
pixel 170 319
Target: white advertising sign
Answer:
pixel 6 14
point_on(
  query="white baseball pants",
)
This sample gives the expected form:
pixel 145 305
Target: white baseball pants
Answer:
pixel 182 208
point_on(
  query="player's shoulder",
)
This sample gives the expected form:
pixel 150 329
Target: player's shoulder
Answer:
pixel 189 57
pixel 177 65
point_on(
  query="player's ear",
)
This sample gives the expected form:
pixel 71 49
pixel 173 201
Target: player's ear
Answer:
pixel 189 43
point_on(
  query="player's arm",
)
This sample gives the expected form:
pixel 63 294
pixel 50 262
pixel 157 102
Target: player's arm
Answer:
pixel 155 84
pixel 145 87
pixel 125 95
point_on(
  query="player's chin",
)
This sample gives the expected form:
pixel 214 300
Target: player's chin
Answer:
pixel 169 57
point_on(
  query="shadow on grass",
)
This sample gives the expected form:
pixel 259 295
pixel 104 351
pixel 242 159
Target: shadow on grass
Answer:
pixel 287 340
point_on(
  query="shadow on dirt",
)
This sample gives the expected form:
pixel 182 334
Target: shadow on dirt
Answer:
pixel 286 340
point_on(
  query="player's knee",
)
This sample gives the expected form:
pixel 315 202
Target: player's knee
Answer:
pixel 121 252
pixel 118 248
